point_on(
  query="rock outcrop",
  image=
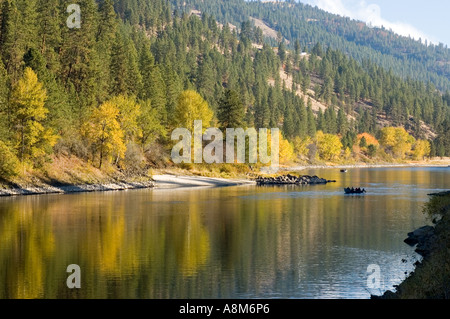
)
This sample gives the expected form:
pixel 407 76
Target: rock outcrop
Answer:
pixel 424 238
pixel 292 180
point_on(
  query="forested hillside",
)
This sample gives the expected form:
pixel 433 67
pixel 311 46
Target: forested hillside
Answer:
pixel 111 92
pixel 293 20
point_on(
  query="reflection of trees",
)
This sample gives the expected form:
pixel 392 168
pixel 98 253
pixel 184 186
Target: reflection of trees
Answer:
pixel 194 249
pixel 26 243
pixel 182 244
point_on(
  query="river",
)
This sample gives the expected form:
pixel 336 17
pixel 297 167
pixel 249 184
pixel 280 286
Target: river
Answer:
pixel 307 242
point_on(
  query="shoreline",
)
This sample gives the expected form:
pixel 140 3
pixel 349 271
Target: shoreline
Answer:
pixel 178 180
pixel 72 189
pixel 157 182
pixel 430 278
pixel 442 164
pixel 168 181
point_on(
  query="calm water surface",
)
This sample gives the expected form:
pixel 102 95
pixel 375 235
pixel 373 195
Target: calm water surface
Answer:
pixel 238 242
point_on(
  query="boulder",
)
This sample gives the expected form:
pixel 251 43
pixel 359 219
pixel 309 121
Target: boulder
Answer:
pixel 424 238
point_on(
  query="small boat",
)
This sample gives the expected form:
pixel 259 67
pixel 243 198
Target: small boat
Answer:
pixel 354 191
pixel 344 171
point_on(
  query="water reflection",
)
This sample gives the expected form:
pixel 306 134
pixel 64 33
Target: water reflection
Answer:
pixel 240 242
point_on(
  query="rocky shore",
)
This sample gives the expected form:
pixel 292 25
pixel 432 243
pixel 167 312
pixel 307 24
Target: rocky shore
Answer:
pixel 156 182
pixel 67 189
pixel 431 277
pixel 424 238
pixel 292 180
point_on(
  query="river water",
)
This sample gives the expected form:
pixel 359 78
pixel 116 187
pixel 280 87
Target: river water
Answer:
pixel 236 242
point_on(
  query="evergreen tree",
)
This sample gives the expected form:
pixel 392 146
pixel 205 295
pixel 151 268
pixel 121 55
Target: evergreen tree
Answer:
pixel 230 110
pixel 18 33
pixel 79 60
pixel 49 32
pixel 153 85
pixel 311 122
pixel 342 123
pixel 5 110
pixel 125 74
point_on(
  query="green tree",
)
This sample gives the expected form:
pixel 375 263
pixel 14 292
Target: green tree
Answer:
pixel 372 150
pixel 18 33
pixel 230 110
pixel 49 32
pixel 125 73
pixel 342 123
pixel 150 124
pixel 311 122
pixel 363 142
pixel 4 108
pixel 153 85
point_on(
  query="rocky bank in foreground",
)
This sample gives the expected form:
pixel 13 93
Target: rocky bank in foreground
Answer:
pixel 431 277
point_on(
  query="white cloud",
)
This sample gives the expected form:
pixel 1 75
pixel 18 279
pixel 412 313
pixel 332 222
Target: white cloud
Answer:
pixel 369 13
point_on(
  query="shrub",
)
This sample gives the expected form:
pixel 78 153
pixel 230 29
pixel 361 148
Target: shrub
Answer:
pixel 9 164
pixel 134 162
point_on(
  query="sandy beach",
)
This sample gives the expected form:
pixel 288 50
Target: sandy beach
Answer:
pixel 178 181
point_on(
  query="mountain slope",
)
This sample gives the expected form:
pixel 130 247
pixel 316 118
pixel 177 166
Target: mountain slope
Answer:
pixel 295 21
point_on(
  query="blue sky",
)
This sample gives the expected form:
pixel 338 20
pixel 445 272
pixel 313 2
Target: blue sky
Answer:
pixel 426 19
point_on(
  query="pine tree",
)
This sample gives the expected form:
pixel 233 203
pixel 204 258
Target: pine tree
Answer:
pixel 49 32
pixel 153 85
pixel 173 88
pixel 105 39
pixel 230 110
pixel 206 80
pixel 288 124
pixel 342 123
pixel 150 124
pixel 311 122
pixel 125 74
pixel 5 111
pixel 79 60
pixel 301 119
pixel 107 26
pixel 18 33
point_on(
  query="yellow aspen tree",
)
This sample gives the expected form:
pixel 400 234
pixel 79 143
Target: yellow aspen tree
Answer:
pixel 191 107
pixel 421 149
pixel 27 102
pixel 329 146
pixel 104 132
pixel 129 112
